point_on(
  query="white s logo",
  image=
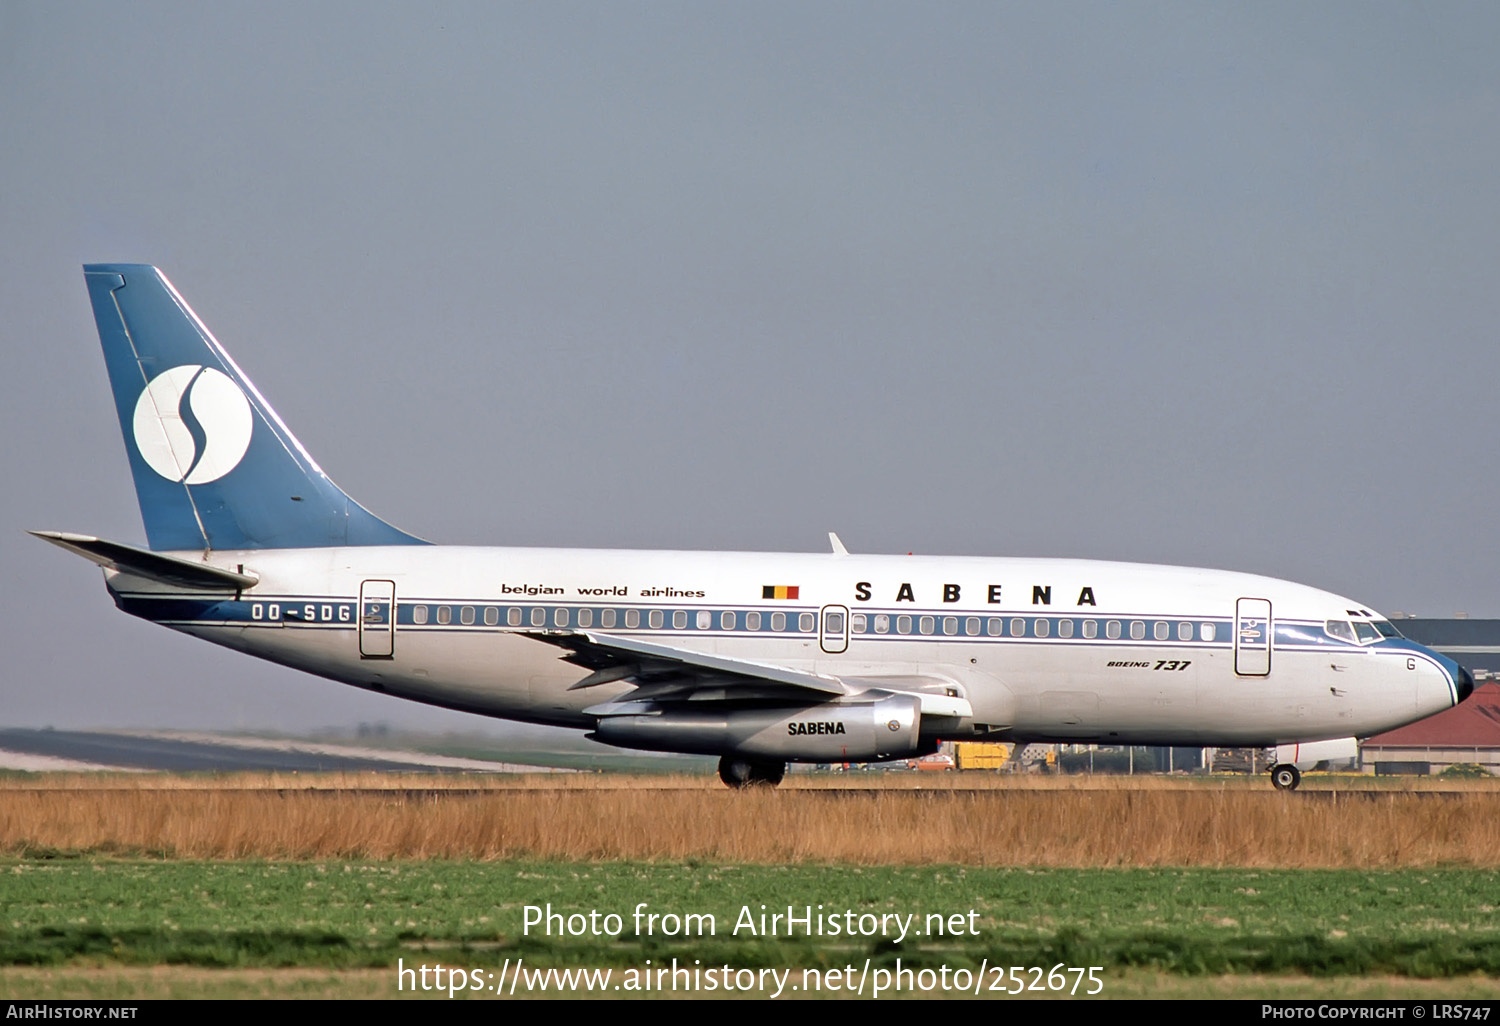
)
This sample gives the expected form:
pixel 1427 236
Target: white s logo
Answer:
pixel 165 425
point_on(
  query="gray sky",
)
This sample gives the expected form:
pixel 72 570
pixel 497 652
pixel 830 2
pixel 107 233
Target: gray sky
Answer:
pixel 1183 283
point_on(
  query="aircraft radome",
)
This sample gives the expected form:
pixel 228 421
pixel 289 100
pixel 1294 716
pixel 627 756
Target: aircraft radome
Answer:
pixel 760 659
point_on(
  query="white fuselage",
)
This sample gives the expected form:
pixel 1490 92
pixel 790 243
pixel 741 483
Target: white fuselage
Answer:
pixel 1041 649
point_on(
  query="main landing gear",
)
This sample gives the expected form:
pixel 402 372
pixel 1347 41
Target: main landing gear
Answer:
pixel 1285 777
pixel 738 772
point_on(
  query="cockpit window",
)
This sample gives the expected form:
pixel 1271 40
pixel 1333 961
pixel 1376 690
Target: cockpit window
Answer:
pixel 1340 630
pixel 1365 633
pixel 1387 629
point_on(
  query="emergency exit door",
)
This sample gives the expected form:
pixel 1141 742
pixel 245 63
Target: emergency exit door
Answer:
pixel 833 629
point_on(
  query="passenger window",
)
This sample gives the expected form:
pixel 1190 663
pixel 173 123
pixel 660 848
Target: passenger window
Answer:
pixel 1137 630
pixel 466 615
pixel 418 614
pixel 971 626
pixel 538 617
pixel 1184 631
pixel 925 624
pixel 656 618
pixel 1163 630
pixel 833 623
pixel 632 618
pixel 727 620
pixel 1090 629
pixel 679 619
pixel 606 618
pixel 491 616
pixel 1018 628
pixel 560 617
pixel 1339 629
pixel 806 622
pixel 950 625
pixel 882 624
pixel 513 616
pixel 903 624
pixel 585 617
pixel 778 621
pixel 705 619
pixel 1112 629
pixel 993 627
pixel 752 621
pixel 1206 632
pixel 445 615
pixel 1065 628
pixel 858 624
pixel 1043 628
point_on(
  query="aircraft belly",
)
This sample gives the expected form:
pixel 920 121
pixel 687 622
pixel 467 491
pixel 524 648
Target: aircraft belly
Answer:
pixel 494 673
pixel 1137 697
pixel 1159 695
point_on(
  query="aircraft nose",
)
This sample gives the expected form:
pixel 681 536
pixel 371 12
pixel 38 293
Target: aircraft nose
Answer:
pixel 1463 683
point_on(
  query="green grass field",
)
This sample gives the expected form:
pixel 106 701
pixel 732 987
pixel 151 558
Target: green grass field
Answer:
pixel 101 922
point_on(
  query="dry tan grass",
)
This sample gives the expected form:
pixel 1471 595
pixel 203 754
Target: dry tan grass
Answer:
pixel 1151 822
pixel 261 781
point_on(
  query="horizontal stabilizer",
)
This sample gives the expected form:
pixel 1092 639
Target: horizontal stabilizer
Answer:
pixel 127 559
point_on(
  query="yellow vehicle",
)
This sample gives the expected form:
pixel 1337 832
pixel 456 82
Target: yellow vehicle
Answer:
pixel 978 755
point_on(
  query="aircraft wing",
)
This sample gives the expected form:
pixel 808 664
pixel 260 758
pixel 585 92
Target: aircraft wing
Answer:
pixel 666 673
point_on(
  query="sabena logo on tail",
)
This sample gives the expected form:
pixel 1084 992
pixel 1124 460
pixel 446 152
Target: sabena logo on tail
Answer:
pixel 192 424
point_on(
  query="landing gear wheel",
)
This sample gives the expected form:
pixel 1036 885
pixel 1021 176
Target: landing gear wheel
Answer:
pixel 1285 777
pixel 738 772
pixel 768 773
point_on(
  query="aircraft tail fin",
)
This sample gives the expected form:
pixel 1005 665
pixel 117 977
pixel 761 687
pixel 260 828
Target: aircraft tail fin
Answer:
pixel 214 466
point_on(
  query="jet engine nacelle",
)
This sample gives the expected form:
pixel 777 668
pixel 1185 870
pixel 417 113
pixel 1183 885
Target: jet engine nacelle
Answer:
pixel 887 728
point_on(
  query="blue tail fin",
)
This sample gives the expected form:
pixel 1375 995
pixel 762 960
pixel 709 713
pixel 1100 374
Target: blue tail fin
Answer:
pixel 214 466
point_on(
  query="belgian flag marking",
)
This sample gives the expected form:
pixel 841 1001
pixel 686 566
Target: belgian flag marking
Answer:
pixel 780 591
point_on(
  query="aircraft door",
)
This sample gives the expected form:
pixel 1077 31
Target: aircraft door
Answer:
pixel 833 629
pixel 377 619
pixel 1253 630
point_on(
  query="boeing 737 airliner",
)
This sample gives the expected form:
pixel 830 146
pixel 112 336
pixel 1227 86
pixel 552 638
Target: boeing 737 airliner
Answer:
pixel 760 659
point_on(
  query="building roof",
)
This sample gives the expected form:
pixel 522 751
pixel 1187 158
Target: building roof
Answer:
pixel 1437 633
pixel 1472 723
pixel 1474 644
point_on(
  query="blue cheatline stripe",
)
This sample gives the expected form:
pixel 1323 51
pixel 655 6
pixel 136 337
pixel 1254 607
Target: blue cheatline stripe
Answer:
pixel 434 615
pixel 335 610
